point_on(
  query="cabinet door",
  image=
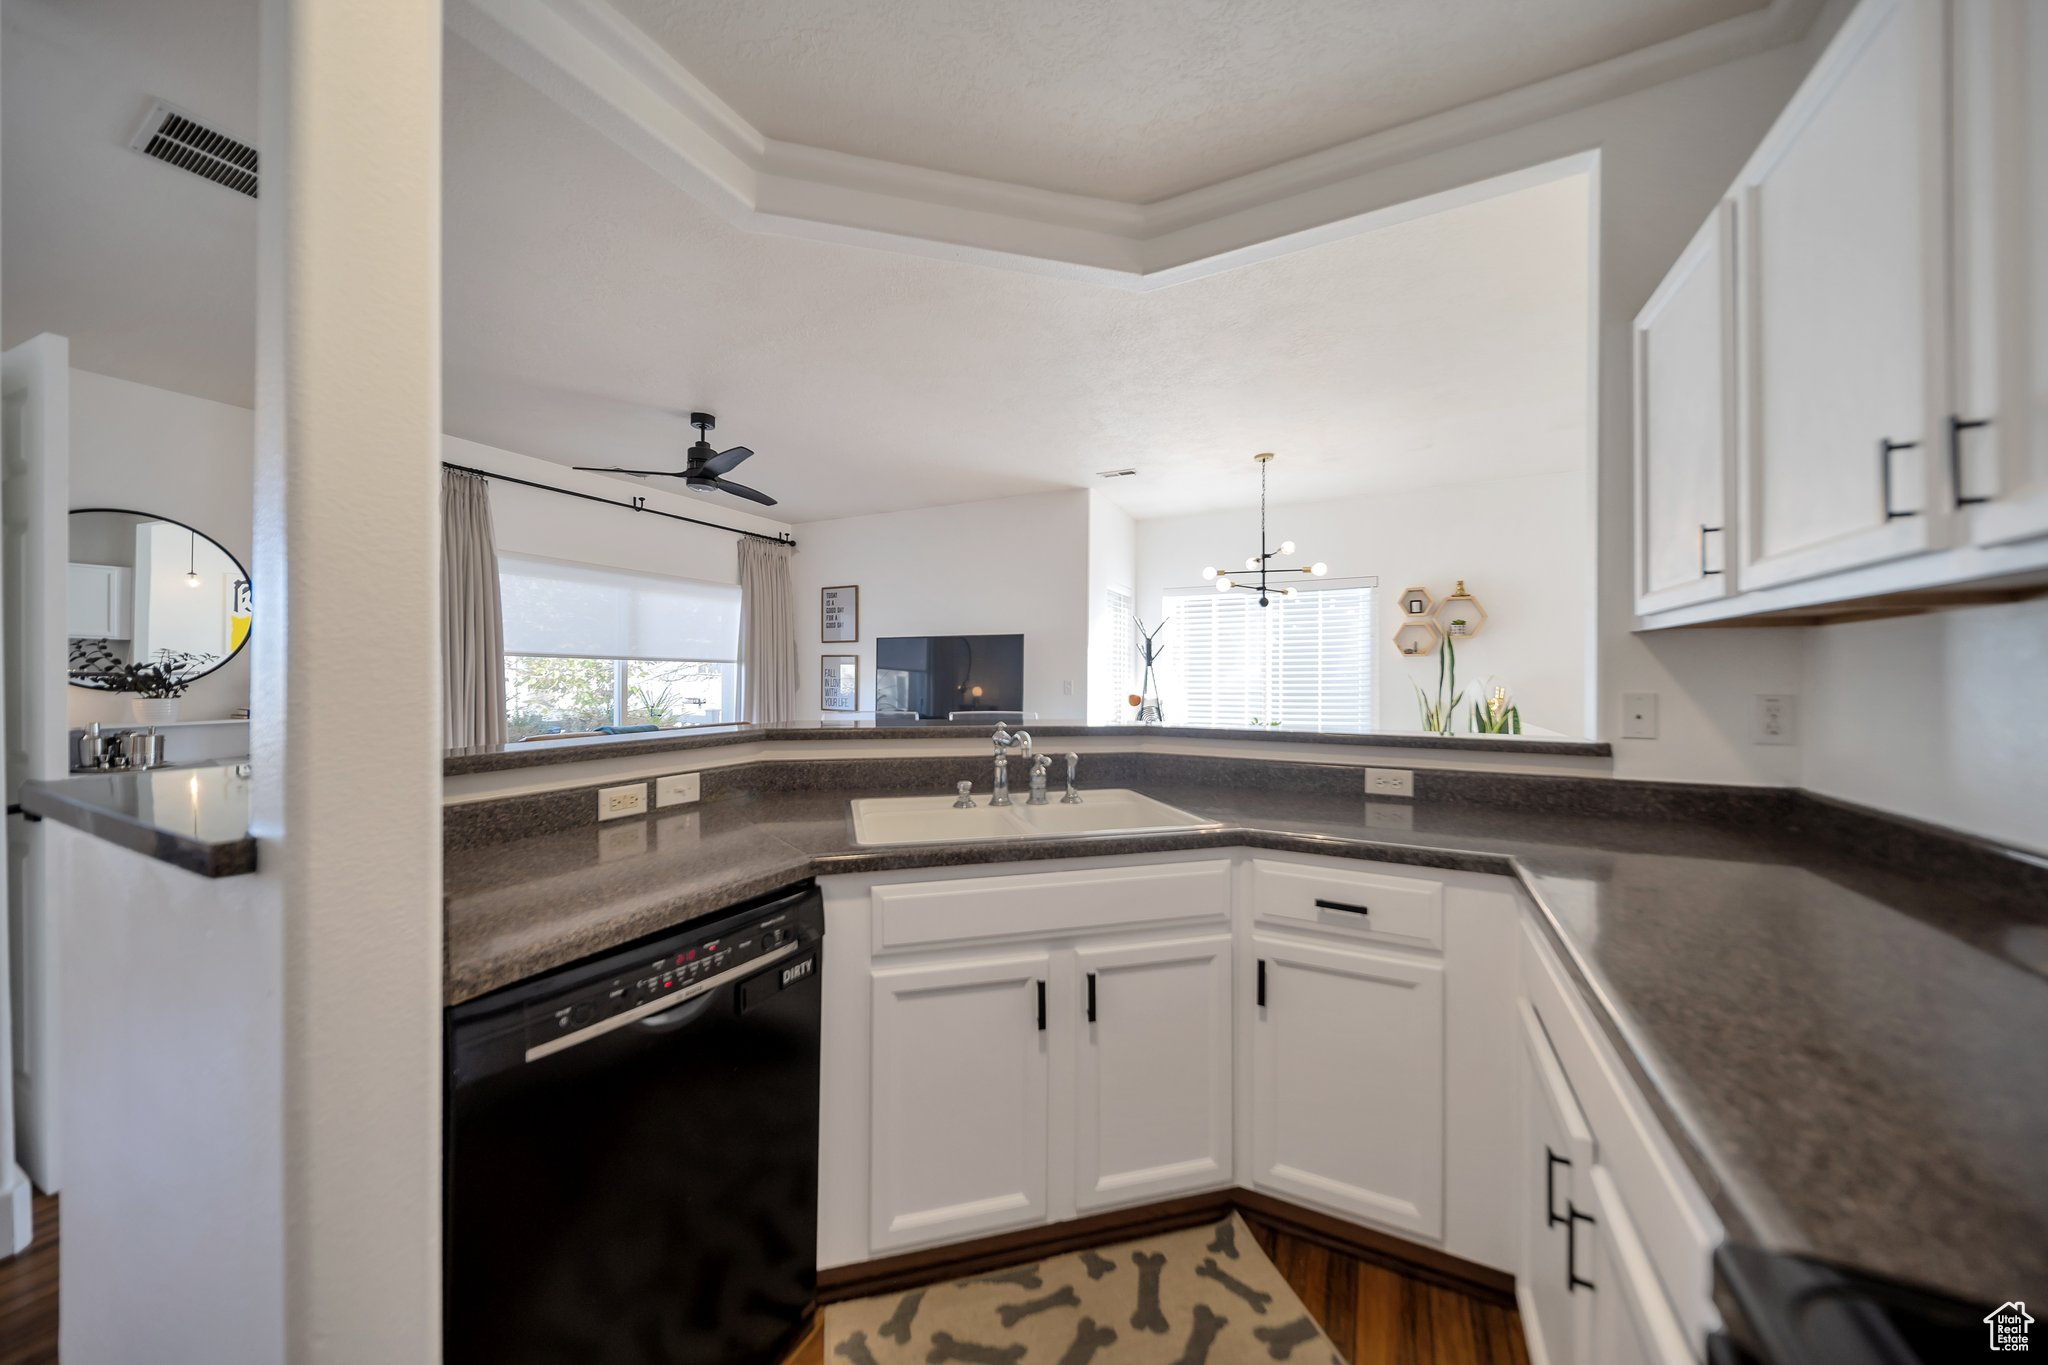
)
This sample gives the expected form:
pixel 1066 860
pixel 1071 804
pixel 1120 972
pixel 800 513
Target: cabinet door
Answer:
pixel 88 601
pixel 1153 1071
pixel 1843 308
pixel 1685 424
pixel 1556 1152
pixel 1997 438
pixel 1629 1321
pixel 1348 1081
pixel 959 1128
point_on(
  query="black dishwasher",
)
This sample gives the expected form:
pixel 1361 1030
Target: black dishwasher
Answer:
pixel 632 1151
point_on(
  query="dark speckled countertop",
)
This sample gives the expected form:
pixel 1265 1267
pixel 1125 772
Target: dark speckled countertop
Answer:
pixel 1851 1058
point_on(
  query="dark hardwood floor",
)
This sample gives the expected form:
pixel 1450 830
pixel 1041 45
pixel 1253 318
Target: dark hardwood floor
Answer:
pixel 1374 1314
pixel 28 1294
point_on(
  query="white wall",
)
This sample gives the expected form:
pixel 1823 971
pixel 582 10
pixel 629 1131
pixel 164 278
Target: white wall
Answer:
pixel 1004 567
pixel 1937 717
pixel 530 521
pixel 189 459
pixel 1519 544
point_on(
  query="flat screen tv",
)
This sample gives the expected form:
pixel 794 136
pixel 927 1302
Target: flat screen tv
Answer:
pixel 934 676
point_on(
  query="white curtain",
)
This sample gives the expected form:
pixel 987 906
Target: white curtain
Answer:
pixel 472 624
pixel 768 670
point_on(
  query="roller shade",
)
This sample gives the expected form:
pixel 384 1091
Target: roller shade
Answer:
pixel 579 611
pixel 1305 661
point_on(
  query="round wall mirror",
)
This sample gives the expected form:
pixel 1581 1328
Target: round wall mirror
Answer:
pixel 143 589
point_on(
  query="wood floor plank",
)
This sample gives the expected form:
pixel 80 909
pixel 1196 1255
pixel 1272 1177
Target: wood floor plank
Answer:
pixel 28 1293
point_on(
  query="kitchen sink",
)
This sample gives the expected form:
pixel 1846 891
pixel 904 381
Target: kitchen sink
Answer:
pixel 933 820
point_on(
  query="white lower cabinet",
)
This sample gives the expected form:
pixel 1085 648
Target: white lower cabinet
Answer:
pixel 959 1081
pixel 1152 1075
pixel 1555 1153
pixel 1629 1320
pixel 1347 1080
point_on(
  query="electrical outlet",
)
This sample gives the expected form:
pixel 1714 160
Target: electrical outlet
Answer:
pixel 1774 719
pixel 1639 715
pixel 1067 688
pixel 614 802
pixel 1389 782
pixel 677 789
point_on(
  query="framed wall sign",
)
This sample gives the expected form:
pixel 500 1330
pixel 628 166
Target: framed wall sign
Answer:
pixel 839 688
pixel 839 612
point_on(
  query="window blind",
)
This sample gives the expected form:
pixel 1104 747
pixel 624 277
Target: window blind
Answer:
pixel 580 611
pixel 1123 650
pixel 1304 662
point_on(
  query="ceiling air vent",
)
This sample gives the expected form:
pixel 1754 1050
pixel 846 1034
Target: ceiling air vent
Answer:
pixel 190 145
pixel 1116 473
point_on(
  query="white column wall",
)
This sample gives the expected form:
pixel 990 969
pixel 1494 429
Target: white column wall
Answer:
pixel 345 682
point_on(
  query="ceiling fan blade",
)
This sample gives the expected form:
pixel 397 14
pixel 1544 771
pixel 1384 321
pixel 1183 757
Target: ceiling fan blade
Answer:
pixel 738 490
pixel 636 473
pixel 726 460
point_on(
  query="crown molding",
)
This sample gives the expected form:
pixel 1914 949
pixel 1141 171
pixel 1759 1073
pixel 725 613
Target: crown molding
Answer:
pixel 594 62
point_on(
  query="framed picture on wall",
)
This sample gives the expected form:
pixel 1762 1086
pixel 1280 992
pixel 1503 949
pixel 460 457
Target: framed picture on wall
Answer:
pixel 839 688
pixel 839 615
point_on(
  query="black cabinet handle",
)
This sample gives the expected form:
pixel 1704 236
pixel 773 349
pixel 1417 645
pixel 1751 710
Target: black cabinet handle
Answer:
pixel 1885 449
pixel 1091 997
pixel 1572 1282
pixel 1262 983
pixel 1041 1007
pixel 1347 909
pixel 1705 531
pixel 1552 1162
pixel 1956 427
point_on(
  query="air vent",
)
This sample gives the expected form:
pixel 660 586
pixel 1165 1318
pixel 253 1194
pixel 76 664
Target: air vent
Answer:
pixel 1116 473
pixel 190 145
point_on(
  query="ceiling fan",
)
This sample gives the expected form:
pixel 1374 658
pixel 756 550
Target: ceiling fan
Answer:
pixel 707 467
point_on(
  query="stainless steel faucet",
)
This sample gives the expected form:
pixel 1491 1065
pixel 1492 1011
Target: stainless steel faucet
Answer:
pixel 1038 767
pixel 1073 797
pixel 1005 741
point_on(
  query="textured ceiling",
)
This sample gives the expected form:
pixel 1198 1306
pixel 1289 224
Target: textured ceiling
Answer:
pixel 589 304
pixel 1136 99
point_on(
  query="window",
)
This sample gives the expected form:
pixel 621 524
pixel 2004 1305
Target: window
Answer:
pixel 1305 662
pixel 1123 653
pixel 587 647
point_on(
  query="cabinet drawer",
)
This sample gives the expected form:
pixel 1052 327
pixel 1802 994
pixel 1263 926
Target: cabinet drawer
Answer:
pixel 1038 904
pixel 1406 912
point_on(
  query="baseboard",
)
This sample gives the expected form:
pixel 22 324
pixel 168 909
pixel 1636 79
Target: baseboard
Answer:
pixel 17 1211
pixel 913 1268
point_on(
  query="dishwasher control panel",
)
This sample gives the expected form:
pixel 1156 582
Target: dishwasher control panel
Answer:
pixel 670 974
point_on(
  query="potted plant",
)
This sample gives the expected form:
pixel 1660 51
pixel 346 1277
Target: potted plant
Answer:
pixel 155 686
pixel 1496 715
pixel 1440 712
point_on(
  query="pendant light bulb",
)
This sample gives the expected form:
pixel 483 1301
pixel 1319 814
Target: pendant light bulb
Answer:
pixel 1208 573
pixel 1286 547
pixel 192 561
pixel 1223 582
pixel 1251 561
pixel 1319 568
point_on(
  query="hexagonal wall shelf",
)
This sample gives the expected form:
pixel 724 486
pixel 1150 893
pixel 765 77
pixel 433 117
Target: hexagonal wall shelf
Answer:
pixel 1417 638
pixel 1416 603
pixel 1459 616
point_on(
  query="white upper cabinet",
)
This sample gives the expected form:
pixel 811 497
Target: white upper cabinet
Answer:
pixel 959 1083
pixel 1153 1094
pixel 1348 1081
pixel 1997 440
pixel 1685 424
pixel 1843 337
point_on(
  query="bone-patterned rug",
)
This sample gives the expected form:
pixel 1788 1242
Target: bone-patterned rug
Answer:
pixel 1203 1296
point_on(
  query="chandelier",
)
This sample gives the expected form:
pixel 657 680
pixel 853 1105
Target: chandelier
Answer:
pixel 1261 564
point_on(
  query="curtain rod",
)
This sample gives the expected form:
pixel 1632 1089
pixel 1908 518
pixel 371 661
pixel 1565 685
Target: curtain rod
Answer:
pixel 637 505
